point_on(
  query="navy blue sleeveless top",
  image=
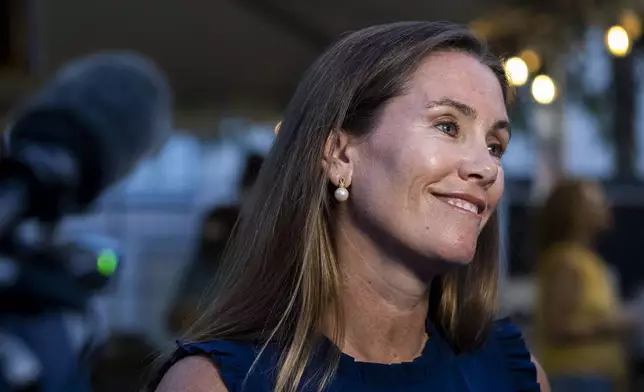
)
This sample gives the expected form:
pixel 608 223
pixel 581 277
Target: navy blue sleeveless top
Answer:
pixel 502 364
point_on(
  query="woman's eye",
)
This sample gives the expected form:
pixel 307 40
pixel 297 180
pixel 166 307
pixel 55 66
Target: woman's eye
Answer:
pixel 449 128
pixel 496 149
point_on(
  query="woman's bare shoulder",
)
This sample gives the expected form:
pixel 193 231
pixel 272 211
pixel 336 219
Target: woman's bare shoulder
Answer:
pixel 192 374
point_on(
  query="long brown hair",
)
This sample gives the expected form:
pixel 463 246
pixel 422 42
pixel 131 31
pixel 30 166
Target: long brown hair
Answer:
pixel 282 273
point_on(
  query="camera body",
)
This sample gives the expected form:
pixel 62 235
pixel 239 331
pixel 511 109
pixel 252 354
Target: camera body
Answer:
pixel 50 329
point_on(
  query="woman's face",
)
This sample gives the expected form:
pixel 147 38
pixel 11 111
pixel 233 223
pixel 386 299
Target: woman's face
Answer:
pixel 429 174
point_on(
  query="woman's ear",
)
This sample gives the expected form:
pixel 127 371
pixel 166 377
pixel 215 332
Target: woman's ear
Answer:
pixel 335 160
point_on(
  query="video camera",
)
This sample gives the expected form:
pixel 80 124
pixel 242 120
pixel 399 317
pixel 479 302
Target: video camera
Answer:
pixel 80 134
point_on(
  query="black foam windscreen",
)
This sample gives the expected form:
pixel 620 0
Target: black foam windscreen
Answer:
pixel 107 110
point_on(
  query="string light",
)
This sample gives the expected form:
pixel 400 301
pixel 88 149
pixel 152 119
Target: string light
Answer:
pixel 618 41
pixel 631 23
pixel 543 89
pixel 531 59
pixel 517 71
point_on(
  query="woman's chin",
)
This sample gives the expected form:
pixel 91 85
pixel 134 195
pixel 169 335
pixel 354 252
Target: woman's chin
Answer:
pixel 458 254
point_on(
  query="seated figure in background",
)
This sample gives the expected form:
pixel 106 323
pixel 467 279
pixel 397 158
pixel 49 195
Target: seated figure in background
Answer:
pixel 580 324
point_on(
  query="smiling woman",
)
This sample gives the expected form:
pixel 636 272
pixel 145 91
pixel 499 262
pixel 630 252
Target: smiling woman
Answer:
pixel 367 256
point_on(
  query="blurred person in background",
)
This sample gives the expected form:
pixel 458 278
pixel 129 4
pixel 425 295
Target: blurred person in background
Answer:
pixel 580 327
pixel 198 277
pixel 366 258
pixel 253 166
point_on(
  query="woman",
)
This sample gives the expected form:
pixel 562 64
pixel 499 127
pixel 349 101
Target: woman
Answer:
pixel 579 327
pixel 366 258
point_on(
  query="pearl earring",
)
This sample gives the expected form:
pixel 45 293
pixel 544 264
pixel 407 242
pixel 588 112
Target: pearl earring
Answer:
pixel 341 192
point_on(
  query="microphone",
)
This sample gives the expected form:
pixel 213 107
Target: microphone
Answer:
pixel 84 131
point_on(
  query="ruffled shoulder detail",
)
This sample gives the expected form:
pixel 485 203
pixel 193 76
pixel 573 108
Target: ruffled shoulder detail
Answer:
pixel 233 359
pixel 523 372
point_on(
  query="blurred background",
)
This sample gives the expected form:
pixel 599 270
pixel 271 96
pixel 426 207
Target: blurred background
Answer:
pixel 234 64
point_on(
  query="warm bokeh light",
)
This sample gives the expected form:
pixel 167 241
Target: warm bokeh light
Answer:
pixel 631 23
pixel 532 59
pixel 618 41
pixel 482 28
pixel 517 71
pixel 277 127
pixel 543 89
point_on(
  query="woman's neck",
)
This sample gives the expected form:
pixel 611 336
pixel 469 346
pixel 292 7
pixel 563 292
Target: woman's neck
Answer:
pixel 384 304
pixel 381 326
